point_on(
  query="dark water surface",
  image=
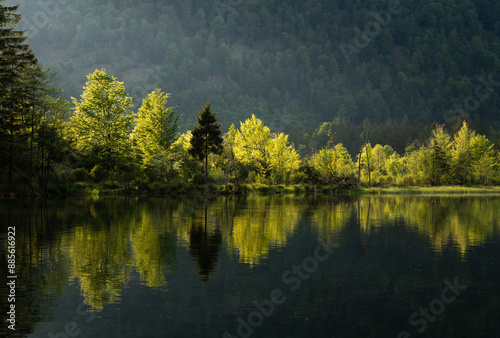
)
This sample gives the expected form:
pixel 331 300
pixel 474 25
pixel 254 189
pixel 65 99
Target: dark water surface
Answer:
pixel 260 266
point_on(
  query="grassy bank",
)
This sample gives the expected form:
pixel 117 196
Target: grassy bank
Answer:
pixel 160 189
pixel 442 190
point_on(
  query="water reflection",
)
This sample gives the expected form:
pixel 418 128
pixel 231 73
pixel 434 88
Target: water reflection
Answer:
pixel 101 243
pixel 204 245
pixel 260 225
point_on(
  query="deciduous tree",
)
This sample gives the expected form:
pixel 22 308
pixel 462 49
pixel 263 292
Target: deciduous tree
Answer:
pixel 102 121
pixel 155 130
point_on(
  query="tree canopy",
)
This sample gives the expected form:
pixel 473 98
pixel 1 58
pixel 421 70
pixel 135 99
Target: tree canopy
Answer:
pixel 102 120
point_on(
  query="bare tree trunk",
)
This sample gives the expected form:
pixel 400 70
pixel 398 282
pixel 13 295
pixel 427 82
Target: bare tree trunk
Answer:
pixel 227 173
pixel 11 150
pixel 368 165
pixel 236 181
pixel 206 164
pixel 467 162
pixel 359 164
pixel 30 166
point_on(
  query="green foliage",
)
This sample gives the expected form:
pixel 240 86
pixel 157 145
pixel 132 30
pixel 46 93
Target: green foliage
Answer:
pixel 30 132
pixel 262 55
pixel 81 174
pixel 156 128
pixel 101 125
pixel 206 136
pixel 271 156
pixel 284 72
pixel 438 157
pixel 197 179
pixel 252 145
pixel 98 173
pixel 334 162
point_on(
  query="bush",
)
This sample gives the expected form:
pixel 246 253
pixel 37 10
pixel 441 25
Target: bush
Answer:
pixel 81 174
pixel 98 173
pixel 197 179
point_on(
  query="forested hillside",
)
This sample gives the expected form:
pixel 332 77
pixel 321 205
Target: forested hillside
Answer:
pixel 292 63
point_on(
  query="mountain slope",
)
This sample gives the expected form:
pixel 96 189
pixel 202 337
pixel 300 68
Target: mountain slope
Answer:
pixel 292 63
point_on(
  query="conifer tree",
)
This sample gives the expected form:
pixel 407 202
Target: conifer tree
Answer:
pixel 16 60
pixel 206 137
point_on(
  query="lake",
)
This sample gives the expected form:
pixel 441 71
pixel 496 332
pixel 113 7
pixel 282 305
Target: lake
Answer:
pixel 254 266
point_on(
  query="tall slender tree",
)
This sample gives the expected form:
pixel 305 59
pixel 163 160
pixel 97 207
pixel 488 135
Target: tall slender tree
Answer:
pixel 156 126
pixel 206 137
pixel 16 60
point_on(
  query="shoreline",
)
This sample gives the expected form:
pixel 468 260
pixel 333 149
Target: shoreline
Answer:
pixel 103 189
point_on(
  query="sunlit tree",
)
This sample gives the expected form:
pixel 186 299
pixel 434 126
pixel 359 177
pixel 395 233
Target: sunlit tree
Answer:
pixel 102 121
pixel 156 126
pixel 439 155
pixel 283 158
pixel 461 151
pixel 334 162
pixel 155 132
pixel 252 145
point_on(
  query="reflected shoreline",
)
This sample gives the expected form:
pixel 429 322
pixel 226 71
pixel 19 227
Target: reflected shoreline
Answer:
pixel 99 242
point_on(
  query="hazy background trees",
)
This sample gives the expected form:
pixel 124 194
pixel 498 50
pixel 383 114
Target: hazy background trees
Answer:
pixel 257 56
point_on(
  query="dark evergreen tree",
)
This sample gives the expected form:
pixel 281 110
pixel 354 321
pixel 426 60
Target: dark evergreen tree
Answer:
pixel 16 64
pixel 206 137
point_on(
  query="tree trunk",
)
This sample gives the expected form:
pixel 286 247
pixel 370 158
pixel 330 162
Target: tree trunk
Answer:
pixel 359 165
pixel 368 165
pixel 236 182
pixel 30 166
pixel 206 163
pixel 227 173
pixel 11 151
pixel 467 161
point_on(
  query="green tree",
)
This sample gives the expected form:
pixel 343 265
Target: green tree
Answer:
pixel 206 136
pixel 283 158
pixel 482 159
pixel 183 163
pixel 155 130
pixel 334 162
pixel 461 151
pixel 16 61
pixel 252 145
pixel 439 156
pixel 100 127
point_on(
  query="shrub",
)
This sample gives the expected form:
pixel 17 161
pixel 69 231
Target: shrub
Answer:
pixel 98 173
pixel 81 174
pixel 197 179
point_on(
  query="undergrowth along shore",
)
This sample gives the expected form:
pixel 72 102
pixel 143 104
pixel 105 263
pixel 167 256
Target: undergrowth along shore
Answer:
pixel 158 189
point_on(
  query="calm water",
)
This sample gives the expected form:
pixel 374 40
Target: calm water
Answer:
pixel 258 266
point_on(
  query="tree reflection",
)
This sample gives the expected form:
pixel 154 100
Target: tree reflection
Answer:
pixel 262 223
pixel 204 245
pixel 101 242
pixel 463 221
pixel 154 248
